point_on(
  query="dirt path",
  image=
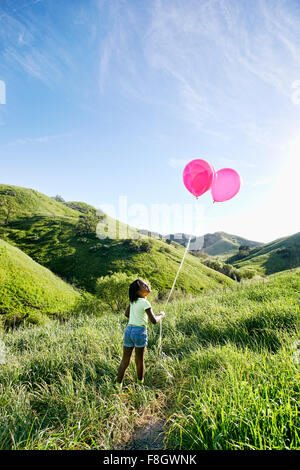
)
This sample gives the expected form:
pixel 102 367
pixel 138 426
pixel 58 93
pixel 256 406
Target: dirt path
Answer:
pixel 148 435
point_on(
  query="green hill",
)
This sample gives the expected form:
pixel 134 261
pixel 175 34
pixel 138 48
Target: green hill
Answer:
pixel 30 290
pixel 214 244
pixel 220 243
pixel 53 241
pixel 279 255
pixel 18 203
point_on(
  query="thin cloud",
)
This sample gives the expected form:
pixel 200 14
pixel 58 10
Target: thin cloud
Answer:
pixel 178 162
pixel 263 181
pixel 39 139
pixel 41 51
pixel 230 162
pixel 213 47
pixel 217 56
pixel 115 51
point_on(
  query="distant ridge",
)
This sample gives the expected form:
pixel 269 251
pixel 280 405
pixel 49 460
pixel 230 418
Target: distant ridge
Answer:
pixel 217 243
pixel 278 255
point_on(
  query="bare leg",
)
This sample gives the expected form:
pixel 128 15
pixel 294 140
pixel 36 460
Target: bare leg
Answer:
pixel 139 362
pixel 124 363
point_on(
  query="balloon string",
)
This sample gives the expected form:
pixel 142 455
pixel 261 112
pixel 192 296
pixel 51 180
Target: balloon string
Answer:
pixel 171 291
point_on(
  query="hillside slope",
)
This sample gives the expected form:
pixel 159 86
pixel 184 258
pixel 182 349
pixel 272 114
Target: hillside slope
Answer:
pixel 279 255
pixel 17 203
pixel 54 242
pixel 219 243
pixel 28 289
pixel 214 244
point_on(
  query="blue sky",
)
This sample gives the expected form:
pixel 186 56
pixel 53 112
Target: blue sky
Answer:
pixel 110 99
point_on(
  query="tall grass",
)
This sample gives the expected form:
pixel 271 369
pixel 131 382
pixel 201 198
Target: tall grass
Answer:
pixel 226 379
pixel 237 399
pixel 56 390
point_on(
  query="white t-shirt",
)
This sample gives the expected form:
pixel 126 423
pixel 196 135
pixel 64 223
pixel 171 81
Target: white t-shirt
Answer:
pixel 137 314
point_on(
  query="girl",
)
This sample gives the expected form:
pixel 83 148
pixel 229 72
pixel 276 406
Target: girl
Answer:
pixel 135 335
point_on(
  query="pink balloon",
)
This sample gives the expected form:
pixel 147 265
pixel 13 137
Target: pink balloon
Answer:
pixel 226 185
pixel 198 176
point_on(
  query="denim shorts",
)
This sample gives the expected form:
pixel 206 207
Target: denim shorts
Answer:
pixel 135 336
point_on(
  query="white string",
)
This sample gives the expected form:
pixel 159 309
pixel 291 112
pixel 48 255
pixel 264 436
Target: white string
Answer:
pixel 170 293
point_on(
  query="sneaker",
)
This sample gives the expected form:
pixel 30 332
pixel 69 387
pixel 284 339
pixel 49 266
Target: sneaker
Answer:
pixel 140 382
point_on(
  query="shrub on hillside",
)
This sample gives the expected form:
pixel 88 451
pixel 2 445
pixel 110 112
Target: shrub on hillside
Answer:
pixel 113 290
pixel 171 242
pixel 138 246
pixel 284 252
pixel 58 198
pixel 86 225
pixel 34 238
pixel 166 249
pixel 8 192
pixel 244 251
pixel 247 273
pixel 89 304
pixel 82 240
pixel 200 254
pixel 94 249
pixel 223 268
pixel 8 210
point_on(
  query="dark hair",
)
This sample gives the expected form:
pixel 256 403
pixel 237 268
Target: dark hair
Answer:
pixel 134 289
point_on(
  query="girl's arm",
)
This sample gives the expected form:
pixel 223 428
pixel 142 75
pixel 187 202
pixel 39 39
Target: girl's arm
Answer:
pixel 154 318
pixel 127 311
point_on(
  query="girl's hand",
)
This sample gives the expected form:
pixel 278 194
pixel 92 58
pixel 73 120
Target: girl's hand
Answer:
pixel 162 314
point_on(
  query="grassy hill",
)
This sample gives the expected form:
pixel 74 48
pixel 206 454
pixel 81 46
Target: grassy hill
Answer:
pixel 18 203
pixel 278 255
pixel 228 378
pixel 52 240
pixel 220 243
pixel 30 290
pixel 214 244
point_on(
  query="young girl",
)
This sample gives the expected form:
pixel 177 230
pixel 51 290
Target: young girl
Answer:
pixel 135 335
